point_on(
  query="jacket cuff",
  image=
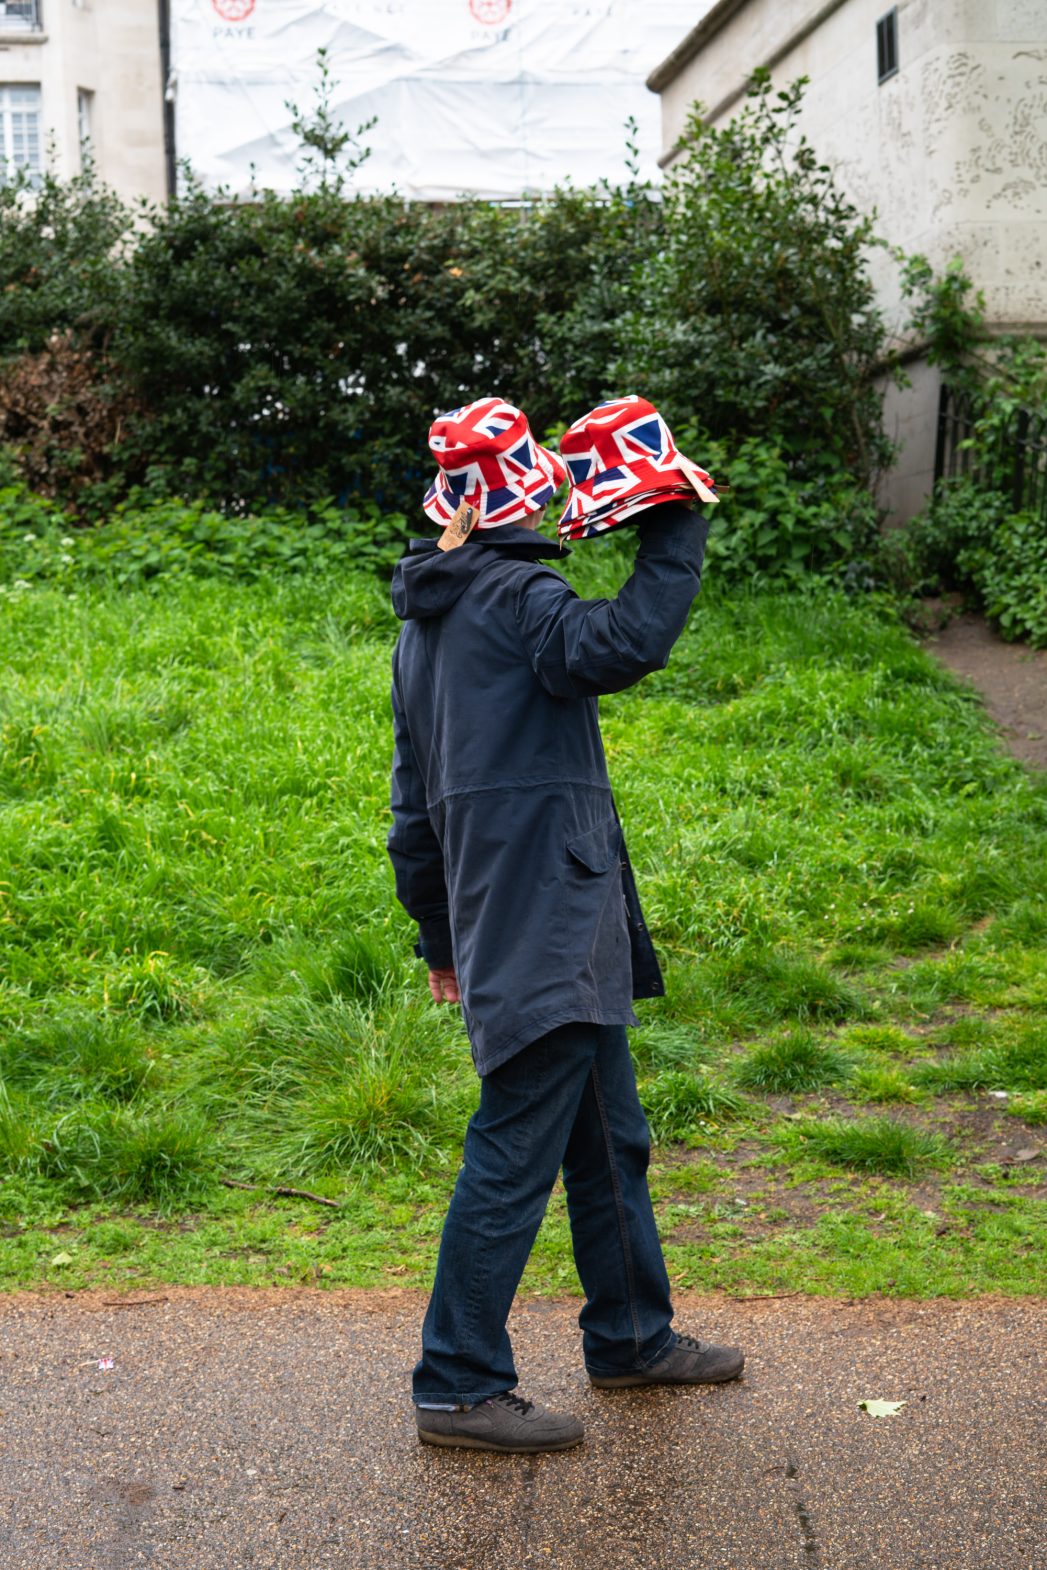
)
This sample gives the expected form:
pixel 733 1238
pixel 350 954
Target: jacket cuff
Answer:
pixel 658 523
pixel 434 942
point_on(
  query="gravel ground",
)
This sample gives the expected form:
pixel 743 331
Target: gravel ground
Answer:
pixel 1011 677
pixel 273 1429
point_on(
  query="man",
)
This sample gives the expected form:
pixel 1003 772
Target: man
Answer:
pixel 508 853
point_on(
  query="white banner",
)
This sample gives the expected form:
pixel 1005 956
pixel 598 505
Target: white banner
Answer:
pixel 493 98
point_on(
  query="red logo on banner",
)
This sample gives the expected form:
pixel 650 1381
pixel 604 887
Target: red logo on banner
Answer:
pixel 234 10
pixel 490 11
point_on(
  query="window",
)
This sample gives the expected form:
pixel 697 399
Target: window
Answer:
pixel 887 45
pixel 19 128
pixel 85 101
pixel 19 16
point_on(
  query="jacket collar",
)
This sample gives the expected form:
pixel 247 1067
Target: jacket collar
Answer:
pixel 512 536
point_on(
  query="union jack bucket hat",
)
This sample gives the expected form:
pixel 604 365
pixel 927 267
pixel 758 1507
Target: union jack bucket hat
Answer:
pixel 621 458
pixel 489 458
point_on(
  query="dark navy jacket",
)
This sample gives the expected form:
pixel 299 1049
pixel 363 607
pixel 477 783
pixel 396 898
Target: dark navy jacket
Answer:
pixel 505 842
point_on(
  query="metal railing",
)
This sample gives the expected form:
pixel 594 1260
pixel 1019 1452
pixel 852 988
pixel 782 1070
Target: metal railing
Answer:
pixel 20 16
pixel 1014 462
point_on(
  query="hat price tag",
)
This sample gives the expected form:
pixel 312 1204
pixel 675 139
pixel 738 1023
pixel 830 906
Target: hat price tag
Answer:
pixel 694 475
pixel 460 527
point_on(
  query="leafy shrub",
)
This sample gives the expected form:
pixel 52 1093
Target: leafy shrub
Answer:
pixel 757 311
pixel 783 520
pixel 62 243
pixel 973 536
pixel 1011 578
pixel 281 351
pixel 146 539
pixel 60 419
pixel 968 540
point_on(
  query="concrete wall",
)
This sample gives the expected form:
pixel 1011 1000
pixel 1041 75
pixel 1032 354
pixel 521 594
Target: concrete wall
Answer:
pixel 951 151
pixel 110 48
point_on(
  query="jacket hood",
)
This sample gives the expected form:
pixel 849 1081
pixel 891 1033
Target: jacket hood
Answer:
pixel 428 581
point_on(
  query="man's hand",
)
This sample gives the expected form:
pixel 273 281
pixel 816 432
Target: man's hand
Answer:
pixel 443 984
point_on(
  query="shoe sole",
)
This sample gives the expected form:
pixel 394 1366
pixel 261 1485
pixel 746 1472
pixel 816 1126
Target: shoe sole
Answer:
pixel 634 1381
pixel 453 1442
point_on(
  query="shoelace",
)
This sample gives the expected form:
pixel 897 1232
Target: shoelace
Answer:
pixel 692 1344
pixel 514 1403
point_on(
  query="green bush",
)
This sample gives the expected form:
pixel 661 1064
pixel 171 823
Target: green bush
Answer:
pixel 60 264
pixel 968 540
pixel 283 351
pixel 1012 578
pixel 971 537
pixel 774 525
pixel 756 315
pixel 146 539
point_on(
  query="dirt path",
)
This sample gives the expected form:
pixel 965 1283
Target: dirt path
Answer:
pixel 1011 677
pixel 273 1430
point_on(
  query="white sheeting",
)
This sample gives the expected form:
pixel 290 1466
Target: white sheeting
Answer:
pixel 483 97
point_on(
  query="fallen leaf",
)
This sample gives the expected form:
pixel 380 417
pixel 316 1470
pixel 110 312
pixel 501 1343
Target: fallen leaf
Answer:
pixel 62 1259
pixel 1028 1154
pixel 881 1408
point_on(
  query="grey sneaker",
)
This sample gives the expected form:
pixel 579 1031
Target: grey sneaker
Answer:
pixel 689 1362
pixel 503 1422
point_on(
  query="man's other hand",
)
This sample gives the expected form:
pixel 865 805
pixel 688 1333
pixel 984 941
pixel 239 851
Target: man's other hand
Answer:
pixel 443 984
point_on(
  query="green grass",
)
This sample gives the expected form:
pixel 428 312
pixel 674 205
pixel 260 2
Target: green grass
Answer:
pixel 205 979
pixel 1018 1063
pixel 869 1145
pixel 795 1062
pixel 873 1082
pixel 682 1104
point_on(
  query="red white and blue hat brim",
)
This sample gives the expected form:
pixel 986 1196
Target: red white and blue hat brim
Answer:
pixel 621 458
pixel 603 519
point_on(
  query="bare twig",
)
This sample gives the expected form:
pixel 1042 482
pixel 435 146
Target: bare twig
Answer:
pixel 132 1302
pixel 761 1297
pixel 303 1193
pixel 286 1193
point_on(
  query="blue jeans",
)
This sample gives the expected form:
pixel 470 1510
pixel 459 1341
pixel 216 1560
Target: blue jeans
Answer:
pixel 569 1099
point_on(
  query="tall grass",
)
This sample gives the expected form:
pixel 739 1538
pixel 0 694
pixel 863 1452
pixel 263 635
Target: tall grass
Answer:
pixel 795 1062
pixel 879 1145
pixel 203 970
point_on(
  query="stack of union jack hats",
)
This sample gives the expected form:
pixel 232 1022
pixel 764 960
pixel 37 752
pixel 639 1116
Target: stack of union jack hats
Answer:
pixel 621 459
pixel 489 458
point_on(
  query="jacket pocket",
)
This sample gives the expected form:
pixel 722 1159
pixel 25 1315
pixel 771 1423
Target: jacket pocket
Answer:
pixel 597 849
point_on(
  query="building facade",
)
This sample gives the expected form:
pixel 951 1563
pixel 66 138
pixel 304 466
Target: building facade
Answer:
pixel 933 112
pixel 79 74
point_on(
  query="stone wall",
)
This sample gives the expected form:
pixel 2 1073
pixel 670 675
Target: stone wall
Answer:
pixel 951 151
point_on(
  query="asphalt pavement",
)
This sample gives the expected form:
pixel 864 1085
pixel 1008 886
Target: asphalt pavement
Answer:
pixel 273 1430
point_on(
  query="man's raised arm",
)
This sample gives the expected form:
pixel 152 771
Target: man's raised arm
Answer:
pixel 582 648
